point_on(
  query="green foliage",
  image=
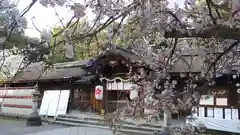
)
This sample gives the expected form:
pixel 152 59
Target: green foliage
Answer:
pixel 89 47
pixel 84 48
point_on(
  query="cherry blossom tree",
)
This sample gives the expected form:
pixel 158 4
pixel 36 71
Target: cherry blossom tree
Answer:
pixel 16 49
pixel 212 27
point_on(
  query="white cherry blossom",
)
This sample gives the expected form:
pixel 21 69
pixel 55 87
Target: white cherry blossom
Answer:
pixel 154 18
pixel 78 10
pixel 46 35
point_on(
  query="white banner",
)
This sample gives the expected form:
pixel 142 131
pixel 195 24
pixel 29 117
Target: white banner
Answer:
pixel 218 124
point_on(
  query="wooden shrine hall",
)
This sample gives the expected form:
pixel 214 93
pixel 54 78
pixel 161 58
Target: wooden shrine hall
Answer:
pixel 110 70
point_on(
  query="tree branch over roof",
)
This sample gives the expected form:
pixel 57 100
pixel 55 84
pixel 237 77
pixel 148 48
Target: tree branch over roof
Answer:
pixel 218 31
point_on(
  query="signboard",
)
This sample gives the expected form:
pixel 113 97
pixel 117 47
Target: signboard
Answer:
pixel 235 114
pixel 218 113
pixel 53 104
pixel 45 102
pixel 228 114
pixel 210 112
pixel 63 102
pixel 201 112
pixel 221 101
pixel 206 100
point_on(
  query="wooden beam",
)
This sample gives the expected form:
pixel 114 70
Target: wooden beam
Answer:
pixel 218 31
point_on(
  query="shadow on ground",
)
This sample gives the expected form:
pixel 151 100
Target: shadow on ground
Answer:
pixel 11 126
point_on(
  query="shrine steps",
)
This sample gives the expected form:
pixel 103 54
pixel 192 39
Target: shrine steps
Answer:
pixel 127 127
pixel 99 119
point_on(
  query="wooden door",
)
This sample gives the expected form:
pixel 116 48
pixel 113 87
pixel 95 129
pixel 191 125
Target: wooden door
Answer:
pixel 82 99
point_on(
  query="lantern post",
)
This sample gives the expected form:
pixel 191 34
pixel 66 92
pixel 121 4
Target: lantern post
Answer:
pixel 35 119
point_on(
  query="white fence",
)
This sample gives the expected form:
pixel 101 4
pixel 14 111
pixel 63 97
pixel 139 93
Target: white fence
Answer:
pixel 16 101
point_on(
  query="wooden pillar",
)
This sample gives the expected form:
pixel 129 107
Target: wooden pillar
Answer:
pixel 106 100
pixel 72 89
pixel 93 99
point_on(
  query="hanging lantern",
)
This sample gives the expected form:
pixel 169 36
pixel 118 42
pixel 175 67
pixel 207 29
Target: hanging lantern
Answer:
pixel 99 92
pixel 133 92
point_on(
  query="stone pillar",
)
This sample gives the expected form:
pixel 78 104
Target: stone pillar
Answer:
pixel 34 119
pixel 167 118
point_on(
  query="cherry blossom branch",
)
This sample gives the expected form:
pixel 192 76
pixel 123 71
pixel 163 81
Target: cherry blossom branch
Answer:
pixel 12 27
pixel 210 12
pixel 172 51
pixel 58 17
pixel 221 55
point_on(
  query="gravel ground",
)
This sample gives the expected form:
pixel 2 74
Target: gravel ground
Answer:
pixel 17 127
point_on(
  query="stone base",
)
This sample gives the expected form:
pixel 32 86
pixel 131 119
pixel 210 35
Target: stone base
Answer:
pixel 34 121
pixel 165 131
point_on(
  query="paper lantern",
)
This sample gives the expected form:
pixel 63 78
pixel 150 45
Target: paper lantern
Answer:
pixel 99 92
pixel 133 92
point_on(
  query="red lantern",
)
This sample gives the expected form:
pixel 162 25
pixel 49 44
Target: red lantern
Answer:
pixel 99 92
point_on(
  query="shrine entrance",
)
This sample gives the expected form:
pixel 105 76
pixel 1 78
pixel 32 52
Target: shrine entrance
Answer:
pixel 116 95
pixel 82 99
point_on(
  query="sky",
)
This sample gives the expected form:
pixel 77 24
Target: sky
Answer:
pixel 45 18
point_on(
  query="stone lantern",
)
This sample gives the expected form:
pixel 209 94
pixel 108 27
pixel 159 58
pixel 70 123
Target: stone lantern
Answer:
pixel 35 119
pixel 2 32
